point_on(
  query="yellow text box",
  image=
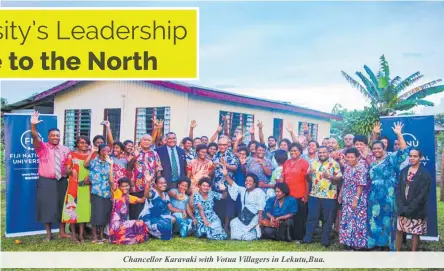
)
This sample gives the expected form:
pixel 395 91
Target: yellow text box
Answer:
pixel 99 43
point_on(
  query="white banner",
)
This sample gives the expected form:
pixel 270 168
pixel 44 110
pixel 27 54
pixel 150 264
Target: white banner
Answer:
pixel 254 260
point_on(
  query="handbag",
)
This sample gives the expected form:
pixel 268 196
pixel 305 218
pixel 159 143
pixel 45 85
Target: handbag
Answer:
pixel 268 223
pixel 283 232
pixel 246 215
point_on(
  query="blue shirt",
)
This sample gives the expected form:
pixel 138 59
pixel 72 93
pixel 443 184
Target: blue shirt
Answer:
pixel 289 206
pixel 99 174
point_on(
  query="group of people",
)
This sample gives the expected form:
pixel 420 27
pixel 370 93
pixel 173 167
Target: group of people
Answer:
pixel 124 192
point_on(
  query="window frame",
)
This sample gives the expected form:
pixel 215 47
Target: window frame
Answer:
pixel 154 113
pixel 116 132
pixel 314 129
pixel 77 126
pixel 243 119
pixel 281 129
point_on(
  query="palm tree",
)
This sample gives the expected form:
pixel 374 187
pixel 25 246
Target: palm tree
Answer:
pixel 389 95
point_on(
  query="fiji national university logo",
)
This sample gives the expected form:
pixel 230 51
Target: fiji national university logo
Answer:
pixel 26 140
pixel 411 140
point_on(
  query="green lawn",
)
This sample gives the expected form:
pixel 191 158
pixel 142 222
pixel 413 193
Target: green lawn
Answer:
pixel 34 243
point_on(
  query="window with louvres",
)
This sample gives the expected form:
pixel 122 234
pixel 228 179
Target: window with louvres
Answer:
pixel 238 121
pixel 144 120
pixel 313 128
pixel 77 123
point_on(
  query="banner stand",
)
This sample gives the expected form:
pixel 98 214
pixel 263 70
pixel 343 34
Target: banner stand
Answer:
pixel 426 238
pixel 21 168
pixel 419 131
pixel 28 233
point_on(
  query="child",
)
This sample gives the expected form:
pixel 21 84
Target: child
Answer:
pixel 280 156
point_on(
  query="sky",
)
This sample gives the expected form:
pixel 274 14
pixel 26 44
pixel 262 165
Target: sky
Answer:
pixel 295 51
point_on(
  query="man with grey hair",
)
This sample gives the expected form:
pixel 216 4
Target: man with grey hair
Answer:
pixel 144 160
pixel 224 157
pixel 348 143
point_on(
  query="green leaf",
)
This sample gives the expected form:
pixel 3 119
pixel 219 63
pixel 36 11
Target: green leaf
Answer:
pixel 409 104
pixel 385 68
pixel 408 82
pixel 382 82
pixel 369 86
pixel 372 76
pixel 358 86
pixel 423 91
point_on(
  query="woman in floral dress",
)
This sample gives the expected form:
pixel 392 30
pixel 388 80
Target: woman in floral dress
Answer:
pixel 190 154
pixel 353 195
pixel 123 231
pixel 77 203
pixel 180 200
pixel 199 167
pixel 208 223
pixel 157 211
pixel 101 175
pixel 253 199
pixel 381 209
pixel 120 162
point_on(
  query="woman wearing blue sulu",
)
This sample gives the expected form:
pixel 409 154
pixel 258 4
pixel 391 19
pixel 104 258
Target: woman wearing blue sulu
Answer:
pixel 247 225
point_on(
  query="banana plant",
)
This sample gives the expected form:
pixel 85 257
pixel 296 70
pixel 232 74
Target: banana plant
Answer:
pixel 390 96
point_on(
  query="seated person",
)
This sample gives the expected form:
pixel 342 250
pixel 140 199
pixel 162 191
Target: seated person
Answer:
pixel 180 200
pixel 279 211
pixel 121 229
pixel 208 223
pixel 157 211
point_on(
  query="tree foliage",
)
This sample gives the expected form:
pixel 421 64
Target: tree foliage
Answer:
pixel 4 102
pixel 390 95
pixel 356 122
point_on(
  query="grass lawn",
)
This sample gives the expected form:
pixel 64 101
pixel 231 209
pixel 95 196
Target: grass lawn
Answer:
pixel 34 243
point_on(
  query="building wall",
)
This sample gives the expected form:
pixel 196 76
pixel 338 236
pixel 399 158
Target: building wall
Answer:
pixel 98 96
pixel 206 113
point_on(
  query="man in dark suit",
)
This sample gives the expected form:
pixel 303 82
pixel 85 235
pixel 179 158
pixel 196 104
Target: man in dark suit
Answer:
pixel 173 161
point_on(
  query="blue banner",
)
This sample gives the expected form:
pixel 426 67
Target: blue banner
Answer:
pixel 419 131
pixel 22 173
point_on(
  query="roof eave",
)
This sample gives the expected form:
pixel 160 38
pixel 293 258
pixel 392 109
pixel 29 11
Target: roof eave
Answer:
pixel 199 91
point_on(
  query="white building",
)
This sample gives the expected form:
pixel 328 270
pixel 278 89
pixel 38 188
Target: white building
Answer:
pixel 80 106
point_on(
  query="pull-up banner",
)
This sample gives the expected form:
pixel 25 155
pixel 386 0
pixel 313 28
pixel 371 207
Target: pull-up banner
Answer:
pixel 419 131
pixel 22 173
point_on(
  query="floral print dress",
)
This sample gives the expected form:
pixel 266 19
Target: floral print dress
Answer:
pixel 119 168
pixel 215 231
pixel 157 216
pixel 121 229
pixel 381 209
pixel 353 225
pixel 77 203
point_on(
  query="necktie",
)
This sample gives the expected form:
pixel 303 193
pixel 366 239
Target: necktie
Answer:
pixel 174 169
pixel 58 164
